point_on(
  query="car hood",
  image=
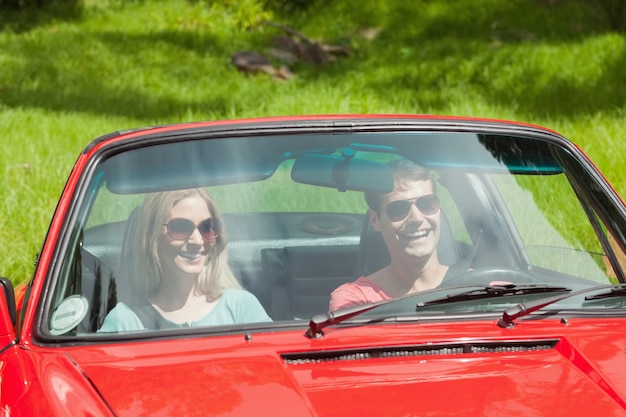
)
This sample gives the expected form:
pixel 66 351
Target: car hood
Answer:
pixel 539 374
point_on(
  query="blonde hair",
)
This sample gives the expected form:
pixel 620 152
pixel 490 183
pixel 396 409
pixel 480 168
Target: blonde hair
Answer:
pixel 216 275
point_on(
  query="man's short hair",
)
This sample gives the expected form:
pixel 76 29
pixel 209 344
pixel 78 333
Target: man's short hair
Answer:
pixel 400 169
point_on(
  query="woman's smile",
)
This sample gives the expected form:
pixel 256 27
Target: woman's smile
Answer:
pixel 191 255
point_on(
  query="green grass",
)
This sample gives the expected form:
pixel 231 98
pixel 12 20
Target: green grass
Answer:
pixel 66 78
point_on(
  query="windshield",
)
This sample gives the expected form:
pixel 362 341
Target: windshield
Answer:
pixel 254 232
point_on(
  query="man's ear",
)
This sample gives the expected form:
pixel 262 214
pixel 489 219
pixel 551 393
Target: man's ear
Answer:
pixel 374 220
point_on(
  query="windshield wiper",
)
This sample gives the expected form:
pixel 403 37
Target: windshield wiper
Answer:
pixel 614 292
pixel 493 291
pixel 525 308
pixel 320 321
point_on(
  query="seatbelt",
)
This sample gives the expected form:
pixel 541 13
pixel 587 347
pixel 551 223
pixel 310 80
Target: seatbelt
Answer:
pixel 151 318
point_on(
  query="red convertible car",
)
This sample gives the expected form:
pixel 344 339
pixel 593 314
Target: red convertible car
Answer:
pixel 341 265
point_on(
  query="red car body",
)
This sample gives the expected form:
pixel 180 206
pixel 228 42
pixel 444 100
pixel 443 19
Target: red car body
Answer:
pixel 581 375
pixel 558 364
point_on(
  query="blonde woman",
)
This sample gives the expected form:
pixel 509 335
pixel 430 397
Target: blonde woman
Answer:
pixel 180 267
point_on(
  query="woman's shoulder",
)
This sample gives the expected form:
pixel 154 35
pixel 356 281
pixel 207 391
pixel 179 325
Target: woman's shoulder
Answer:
pixel 236 294
pixel 120 310
pixel 237 297
pixel 245 304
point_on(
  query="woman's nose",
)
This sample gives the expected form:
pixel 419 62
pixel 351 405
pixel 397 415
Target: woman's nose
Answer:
pixel 195 237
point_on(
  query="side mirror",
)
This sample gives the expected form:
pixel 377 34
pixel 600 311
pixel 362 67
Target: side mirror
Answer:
pixel 8 311
pixel 8 314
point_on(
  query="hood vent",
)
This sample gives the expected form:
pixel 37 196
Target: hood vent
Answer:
pixel 446 349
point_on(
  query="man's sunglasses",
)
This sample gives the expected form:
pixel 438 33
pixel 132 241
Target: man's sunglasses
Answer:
pixel 180 229
pixel 399 210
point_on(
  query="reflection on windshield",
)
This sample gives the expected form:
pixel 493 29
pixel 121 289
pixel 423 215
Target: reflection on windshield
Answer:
pixel 282 222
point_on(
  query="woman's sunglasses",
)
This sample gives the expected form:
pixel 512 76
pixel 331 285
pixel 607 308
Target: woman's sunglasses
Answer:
pixel 398 210
pixel 180 229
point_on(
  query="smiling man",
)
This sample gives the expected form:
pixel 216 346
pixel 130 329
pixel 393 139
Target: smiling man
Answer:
pixel 408 219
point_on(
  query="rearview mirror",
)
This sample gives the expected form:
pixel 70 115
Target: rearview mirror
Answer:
pixel 342 172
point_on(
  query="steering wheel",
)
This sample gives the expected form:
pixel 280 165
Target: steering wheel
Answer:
pixel 490 276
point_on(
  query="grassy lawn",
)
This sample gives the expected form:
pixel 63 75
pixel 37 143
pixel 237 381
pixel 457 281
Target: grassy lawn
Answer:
pixel 66 78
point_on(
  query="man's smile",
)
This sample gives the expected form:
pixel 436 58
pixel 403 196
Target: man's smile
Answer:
pixel 416 235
